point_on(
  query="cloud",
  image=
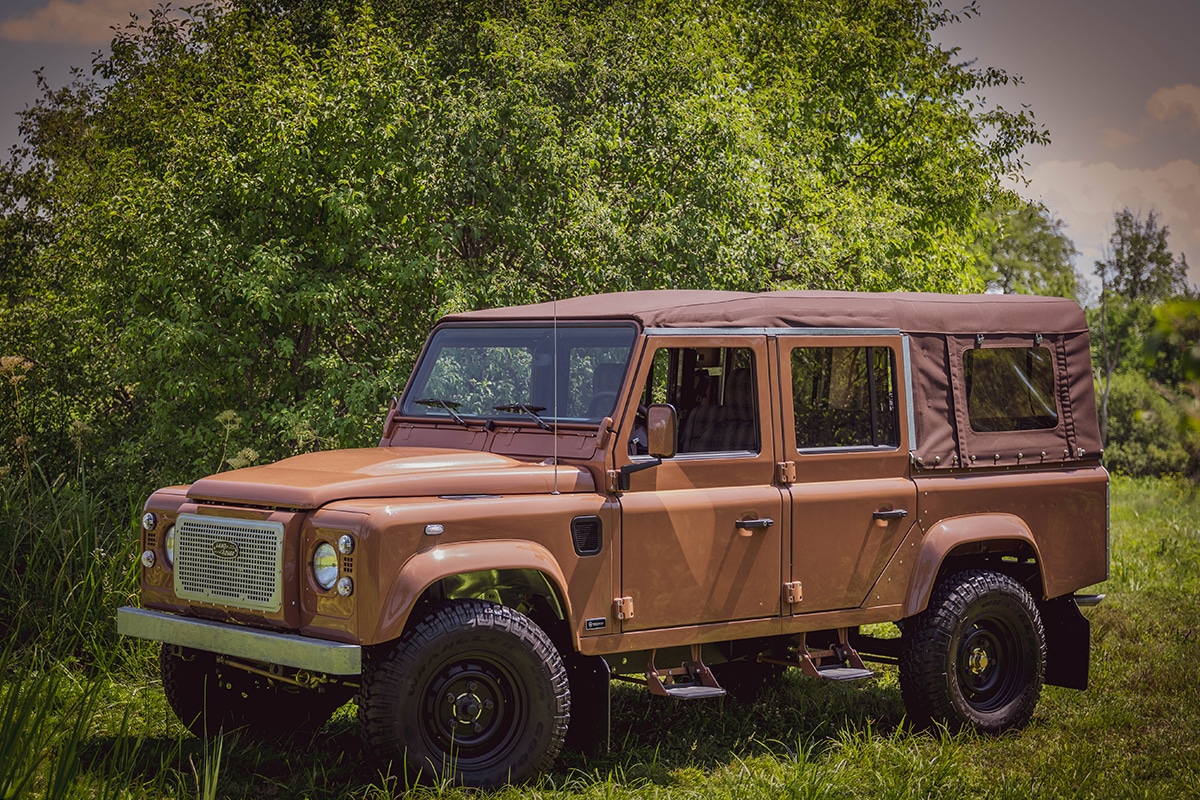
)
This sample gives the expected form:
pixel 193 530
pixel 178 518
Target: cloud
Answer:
pixel 1116 139
pixel 1181 100
pixel 1086 196
pixel 70 22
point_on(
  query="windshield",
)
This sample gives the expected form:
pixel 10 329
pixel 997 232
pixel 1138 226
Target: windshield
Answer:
pixel 511 372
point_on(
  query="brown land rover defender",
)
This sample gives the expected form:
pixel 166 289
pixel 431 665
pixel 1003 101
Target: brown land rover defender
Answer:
pixel 689 490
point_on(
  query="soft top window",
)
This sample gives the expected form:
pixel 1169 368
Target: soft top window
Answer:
pixel 1010 389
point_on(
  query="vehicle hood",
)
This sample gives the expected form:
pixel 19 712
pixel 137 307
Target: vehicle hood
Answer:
pixel 314 479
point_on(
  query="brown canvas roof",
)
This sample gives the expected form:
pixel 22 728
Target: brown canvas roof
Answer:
pixel 910 312
pixel 941 329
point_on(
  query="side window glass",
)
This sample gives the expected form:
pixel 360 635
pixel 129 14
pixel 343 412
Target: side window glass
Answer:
pixel 844 397
pixel 1010 389
pixel 714 392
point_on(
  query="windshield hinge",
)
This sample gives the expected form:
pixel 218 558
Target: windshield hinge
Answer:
pixel 785 472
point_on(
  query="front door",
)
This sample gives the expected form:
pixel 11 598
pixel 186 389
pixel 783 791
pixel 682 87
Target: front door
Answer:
pixel 702 532
pixel 845 415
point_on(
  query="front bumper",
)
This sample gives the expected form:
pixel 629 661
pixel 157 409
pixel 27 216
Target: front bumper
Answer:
pixel 285 649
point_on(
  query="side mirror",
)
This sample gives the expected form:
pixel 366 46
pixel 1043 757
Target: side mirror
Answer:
pixel 662 429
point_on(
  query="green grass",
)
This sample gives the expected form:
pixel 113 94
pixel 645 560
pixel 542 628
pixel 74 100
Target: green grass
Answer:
pixel 82 714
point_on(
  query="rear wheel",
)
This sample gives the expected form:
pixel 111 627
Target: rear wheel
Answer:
pixel 976 657
pixel 475 693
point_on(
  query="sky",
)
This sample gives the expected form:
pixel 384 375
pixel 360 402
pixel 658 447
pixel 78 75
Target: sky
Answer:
pixel 1115 82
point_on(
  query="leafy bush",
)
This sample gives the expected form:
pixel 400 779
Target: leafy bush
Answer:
pixel 260 210
pixel 1147 433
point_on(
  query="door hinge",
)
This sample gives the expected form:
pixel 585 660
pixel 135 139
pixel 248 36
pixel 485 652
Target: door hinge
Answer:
pixel 623 607
pixel 614 481
pixel 785 472
pixel 793 592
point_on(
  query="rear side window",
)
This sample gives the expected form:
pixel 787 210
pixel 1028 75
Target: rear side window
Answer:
pixel 844 397
pixel 1010 389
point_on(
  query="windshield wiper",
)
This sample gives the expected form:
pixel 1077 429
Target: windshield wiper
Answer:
pixel 530 410
pixel 449 405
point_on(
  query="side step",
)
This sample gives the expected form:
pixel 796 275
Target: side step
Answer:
pixel 832 673
pixel 840 662
pixel 685 691
pixel 692 680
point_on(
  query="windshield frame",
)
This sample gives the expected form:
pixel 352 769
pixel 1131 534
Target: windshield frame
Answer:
pixel 535 409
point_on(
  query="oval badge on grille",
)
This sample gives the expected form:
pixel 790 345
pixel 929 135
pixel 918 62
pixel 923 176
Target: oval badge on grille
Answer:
pixel 225 550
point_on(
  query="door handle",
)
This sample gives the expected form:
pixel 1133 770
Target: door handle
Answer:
pixel 896 513
pixel 754 524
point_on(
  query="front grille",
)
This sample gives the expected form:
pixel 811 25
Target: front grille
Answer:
pixel 230 562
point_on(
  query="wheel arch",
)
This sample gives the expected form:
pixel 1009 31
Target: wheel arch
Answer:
pixel 998 542
pixel 499 571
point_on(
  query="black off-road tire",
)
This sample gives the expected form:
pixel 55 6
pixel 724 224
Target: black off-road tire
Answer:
pixel 207 698
pixel 976 657
pixel 475 693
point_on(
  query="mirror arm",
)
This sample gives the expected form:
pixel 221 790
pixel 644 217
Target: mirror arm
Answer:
pixel 629 469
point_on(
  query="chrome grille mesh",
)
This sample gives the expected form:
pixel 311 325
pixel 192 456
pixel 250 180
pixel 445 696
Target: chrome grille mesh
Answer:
pixel 232 562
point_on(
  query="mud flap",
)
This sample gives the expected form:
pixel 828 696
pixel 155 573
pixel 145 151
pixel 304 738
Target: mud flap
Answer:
pixel 1068 642
pixel 590 704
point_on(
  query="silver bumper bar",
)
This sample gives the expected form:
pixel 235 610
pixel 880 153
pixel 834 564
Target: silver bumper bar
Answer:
pixel 289 650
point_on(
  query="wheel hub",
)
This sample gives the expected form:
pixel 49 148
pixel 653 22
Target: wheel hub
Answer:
pixel 978 661
pixel 469 708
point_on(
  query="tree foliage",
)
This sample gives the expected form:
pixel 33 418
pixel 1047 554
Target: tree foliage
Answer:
pixel 1146 345
pixel 260 208
pixel 1138 264
pixel 1026 251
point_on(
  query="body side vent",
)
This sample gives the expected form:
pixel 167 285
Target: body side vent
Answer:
pixel 587 535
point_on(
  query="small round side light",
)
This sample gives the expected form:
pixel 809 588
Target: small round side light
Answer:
pixel 345 544
pixel 435 529
pixel 149 521
pixel 345 587
pixel 148 559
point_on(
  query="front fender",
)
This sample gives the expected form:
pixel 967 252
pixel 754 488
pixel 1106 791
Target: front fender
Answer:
pixel 941 539
pixel 429 566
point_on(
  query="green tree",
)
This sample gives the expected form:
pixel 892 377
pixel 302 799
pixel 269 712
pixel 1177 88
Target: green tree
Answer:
pixel 1025 251
pixel 1138 264
pixel 1138 271
pixel 260 208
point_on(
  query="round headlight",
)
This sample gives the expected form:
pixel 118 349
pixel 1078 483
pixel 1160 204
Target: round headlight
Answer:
pixel 149 521
pixel 325 565
pixel 169 545
pixel 345 544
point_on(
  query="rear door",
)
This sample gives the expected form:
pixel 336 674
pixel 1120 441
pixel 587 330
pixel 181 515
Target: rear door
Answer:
pixel 846 430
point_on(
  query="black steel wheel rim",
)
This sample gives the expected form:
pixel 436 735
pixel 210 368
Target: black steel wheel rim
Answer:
pixel 990 664
pixel 473 711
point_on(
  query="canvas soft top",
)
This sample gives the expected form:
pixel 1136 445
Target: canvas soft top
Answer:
pixel 940 329
pixel 910 312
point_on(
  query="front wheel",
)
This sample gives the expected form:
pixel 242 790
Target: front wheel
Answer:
pixel 976 657
pixel 475 692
